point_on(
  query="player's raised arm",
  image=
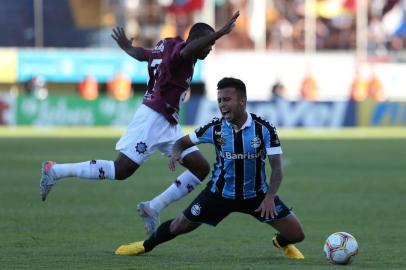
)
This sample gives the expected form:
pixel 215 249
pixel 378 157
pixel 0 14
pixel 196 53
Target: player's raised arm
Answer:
pixel 180 145
pixel 196 44
pixel 126 44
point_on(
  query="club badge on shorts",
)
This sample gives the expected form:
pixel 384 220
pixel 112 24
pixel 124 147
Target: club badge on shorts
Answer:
pixel 141 148
pixel 195 210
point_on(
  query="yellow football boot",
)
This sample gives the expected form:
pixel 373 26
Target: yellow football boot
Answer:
pixel 132 249
pixel 290 250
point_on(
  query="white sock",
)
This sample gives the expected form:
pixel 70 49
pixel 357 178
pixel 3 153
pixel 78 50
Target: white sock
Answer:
pixel 92 170
pixel 185 183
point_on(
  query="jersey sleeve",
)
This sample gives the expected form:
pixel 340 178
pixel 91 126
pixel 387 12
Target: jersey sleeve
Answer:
pixel 271 139
pixel 175 51
pixel 204 134
pixel 148 54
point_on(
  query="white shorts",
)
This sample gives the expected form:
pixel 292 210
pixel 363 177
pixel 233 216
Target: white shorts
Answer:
pixel 147 132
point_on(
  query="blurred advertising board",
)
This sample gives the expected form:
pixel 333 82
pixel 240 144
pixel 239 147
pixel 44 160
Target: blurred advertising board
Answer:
pixel 72 110
pixel 7 105
pixel 381 113
pixel 8 65
pixel 74 65
pixel 281 113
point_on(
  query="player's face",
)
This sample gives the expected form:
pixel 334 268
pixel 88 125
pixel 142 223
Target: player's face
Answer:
pixel 231 106
pixel 203 54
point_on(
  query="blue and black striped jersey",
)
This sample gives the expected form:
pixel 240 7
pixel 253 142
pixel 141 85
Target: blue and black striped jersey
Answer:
pixel 239 170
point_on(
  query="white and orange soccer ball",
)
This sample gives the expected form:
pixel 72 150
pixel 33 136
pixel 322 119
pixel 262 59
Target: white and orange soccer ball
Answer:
pixel 340 248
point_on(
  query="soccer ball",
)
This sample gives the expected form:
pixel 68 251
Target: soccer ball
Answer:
pixel 340 248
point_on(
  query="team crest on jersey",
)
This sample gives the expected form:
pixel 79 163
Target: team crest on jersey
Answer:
pixel 160 47
pixel 141 148
pixel 255 142
pixel 195 210
pixel 221 141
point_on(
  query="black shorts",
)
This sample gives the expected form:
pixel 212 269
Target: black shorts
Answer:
pixel 210 208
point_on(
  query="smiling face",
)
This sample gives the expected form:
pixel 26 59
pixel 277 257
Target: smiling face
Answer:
pixel 232 105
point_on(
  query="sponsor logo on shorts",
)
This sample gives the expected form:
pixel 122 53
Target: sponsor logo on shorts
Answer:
pixel 141 148
pixel 195 210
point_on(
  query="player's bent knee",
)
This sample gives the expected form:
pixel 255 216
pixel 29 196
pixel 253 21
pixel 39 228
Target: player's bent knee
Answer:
pixel 120 176
pixel 182 225
pixel 124 167
pixel 122 173
pixel 123 170
pixel 204 170
pixel 197 165
pixel 297 236
pixel 300 237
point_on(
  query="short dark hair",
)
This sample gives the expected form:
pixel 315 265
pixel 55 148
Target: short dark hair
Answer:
pixel 235 83
pixel 199 29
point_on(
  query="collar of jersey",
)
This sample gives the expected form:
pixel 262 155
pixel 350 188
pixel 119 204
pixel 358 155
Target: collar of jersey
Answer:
pixel 247 123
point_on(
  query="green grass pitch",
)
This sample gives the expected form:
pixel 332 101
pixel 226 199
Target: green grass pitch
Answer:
pixel 351 180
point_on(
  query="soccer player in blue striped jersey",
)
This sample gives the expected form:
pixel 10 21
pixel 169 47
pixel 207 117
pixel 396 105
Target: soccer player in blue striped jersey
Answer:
pixel 242 142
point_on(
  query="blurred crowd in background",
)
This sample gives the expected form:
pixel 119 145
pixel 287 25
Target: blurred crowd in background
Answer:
pixel 336 24
pixel 77 23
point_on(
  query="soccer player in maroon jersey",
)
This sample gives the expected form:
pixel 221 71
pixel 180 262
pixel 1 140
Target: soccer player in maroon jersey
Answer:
pixel 155 123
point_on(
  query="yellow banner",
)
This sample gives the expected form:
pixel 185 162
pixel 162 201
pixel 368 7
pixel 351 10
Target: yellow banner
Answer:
pixel 381 114
pixel 8 65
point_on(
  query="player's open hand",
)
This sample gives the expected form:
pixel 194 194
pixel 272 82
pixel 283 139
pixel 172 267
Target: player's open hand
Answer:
pixel 175 158
pixel 120 37
pixel 267 207
pixel 230 24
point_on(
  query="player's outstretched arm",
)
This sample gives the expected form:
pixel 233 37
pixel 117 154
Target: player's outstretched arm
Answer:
pixel 180 145
pixel 126 44
pixel 194 47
